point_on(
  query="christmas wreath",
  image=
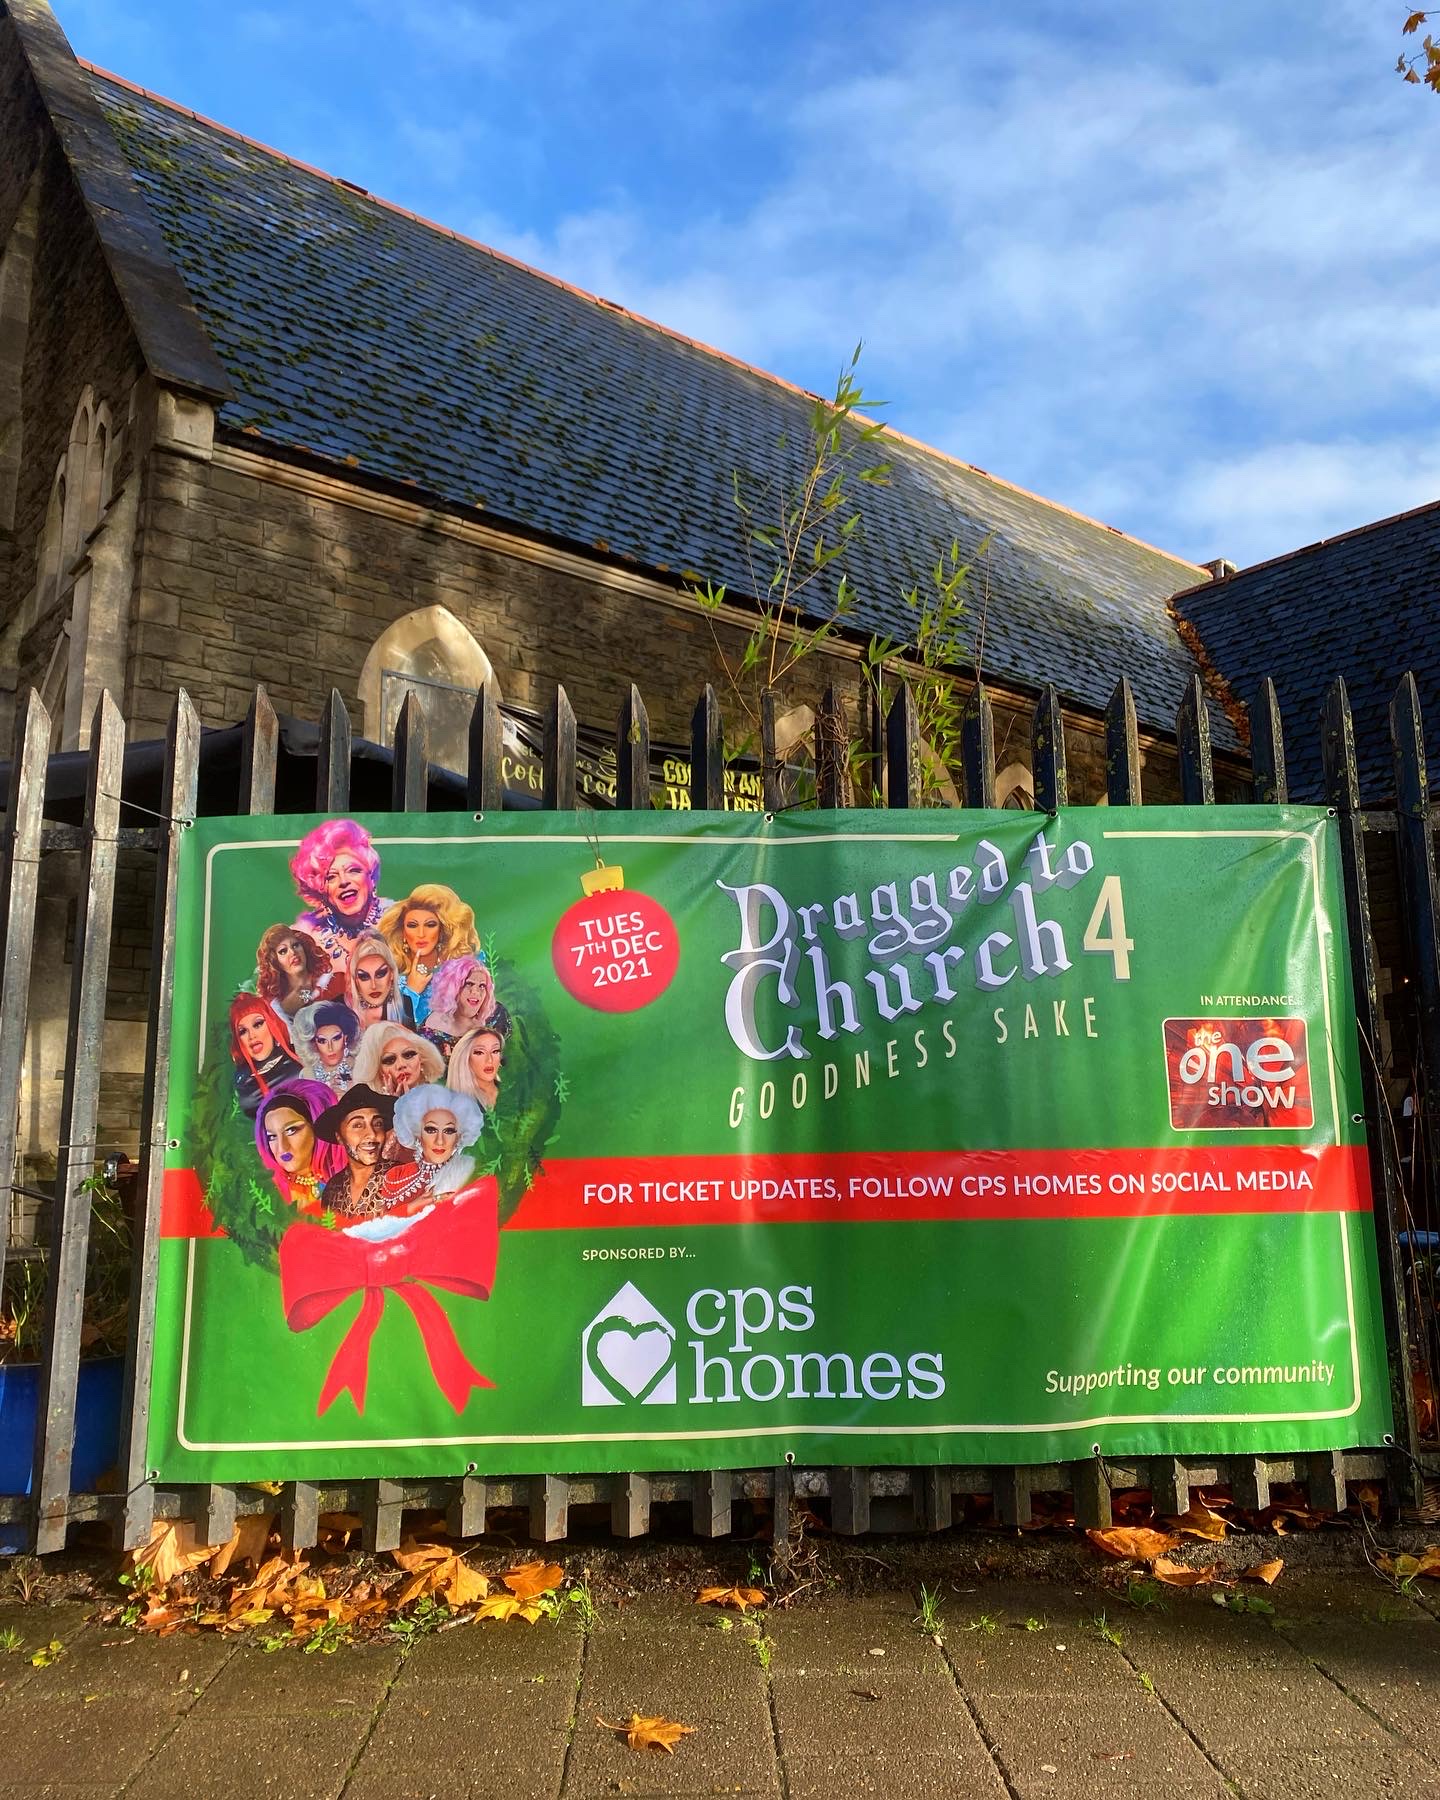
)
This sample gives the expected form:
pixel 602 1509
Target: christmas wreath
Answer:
pixel 242 1196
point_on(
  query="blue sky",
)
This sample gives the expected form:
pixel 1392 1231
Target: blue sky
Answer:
pixel 1173 266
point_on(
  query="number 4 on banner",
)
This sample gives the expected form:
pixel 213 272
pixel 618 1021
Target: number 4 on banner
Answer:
pixel 1110 910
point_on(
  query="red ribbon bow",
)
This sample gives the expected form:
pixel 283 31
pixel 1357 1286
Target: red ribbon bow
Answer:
pixel 454 1248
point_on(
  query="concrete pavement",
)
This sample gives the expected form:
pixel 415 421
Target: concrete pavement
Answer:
pixel 1033 1688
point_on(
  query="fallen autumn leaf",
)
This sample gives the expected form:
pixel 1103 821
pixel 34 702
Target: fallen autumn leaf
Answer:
pixel 1198 1521
pixel 533 1578
pixel 658 1733
pixel 1138 1543
pixel 740 1598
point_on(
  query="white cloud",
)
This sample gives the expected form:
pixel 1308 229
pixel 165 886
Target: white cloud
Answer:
pixel 1169 272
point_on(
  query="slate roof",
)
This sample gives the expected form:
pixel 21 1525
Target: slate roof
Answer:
pixel 1365 606
pixel 360 332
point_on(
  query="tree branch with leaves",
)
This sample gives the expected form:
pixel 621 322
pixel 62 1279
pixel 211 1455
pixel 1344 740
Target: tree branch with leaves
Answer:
pixel 799 534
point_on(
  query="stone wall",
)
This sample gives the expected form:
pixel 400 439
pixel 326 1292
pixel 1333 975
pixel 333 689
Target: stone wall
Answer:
pixel 76 337
pixel 251 571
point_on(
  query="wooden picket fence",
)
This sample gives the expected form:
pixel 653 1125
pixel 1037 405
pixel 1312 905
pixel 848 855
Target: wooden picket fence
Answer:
pixel 859 1499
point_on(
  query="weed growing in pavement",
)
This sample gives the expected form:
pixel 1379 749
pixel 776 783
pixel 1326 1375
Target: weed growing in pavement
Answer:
pixel 928 1618
pixel 47 1654
pixel 25 1575
pixel 1407 1587
pixel 10 1640
pixel 1034 1624
pixel 759 1643
pixel 582 1605
pixel 327 1640
pixel 1143 1595
pixel 1106 1632
pixel 1248 1603
pixel 576 1603
pixel 986 1623
pixel 1145 1681
pixel 427 1615
pixel 721 1624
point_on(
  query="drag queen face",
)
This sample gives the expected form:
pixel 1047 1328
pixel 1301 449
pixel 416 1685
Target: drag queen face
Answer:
pixel 330 1046
pixel 439 1134
pixel 290 958
pixel 290 1139
pixel 254 1036
pixel 476 999
pixel 400 1066
pixel 421 929
pixel 374 982
pixel 485 1054
pixel 347 886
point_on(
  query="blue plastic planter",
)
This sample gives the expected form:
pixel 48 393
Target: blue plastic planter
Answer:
pixel 97 1430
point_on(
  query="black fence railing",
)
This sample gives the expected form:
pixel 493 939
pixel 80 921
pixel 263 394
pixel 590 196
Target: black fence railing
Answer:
pixel 1397 843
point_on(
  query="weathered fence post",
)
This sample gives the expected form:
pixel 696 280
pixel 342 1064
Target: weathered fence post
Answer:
pixel 977 749
pixel 902 750
pixel 1047 752
pixel 707 754
pixel 332 758
pixel 1122 748
pixel 558 772
pixel 484 783
pixel 632 754
pixel 76 1152
pixel 19 884
pixel 1192 733
pixel 1267 747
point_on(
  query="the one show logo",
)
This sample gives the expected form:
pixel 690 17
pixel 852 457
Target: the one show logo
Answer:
pixel 741 1345
pixel 1238 1074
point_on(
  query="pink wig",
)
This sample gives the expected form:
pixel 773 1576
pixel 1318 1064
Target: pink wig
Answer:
pixel 450 977
pixel 310 1099
pixel 318 849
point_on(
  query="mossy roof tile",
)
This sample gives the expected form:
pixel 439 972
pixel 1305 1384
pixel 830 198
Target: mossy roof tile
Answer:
pixel 363 333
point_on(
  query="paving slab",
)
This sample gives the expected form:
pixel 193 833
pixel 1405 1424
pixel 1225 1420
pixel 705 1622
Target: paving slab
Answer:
pixel 664 1655
pixel 53 1790
pixel 484 1739
pixel 35 1625
pixel 1378 1646
pixel 491 1650
pixel 851 1720
pixel 288 1683
pixel 101 1744
pixel 215 1757
pixel 1267 1717
pixel 113 1663
pixel 1069 1746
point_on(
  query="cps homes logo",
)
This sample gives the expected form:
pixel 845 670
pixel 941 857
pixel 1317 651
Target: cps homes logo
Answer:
pixel 1238 1074
pixel 627 1352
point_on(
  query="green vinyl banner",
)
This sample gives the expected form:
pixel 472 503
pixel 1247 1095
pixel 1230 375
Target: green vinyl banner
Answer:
pixel 572 1143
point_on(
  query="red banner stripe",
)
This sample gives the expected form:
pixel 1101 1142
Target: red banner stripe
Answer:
pixel 877 1186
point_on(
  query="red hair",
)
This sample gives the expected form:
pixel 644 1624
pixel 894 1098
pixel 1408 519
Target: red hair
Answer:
pixel 241 1007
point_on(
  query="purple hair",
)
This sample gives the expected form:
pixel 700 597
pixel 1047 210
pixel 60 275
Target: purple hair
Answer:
pixel 310 1099
pixel 318 849
pixel 450 977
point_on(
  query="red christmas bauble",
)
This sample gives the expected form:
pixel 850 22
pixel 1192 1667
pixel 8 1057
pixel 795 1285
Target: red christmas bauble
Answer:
pixel 616 950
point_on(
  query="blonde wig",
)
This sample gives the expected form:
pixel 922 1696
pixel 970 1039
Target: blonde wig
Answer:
pixel 457 923
pixel 458 1077
pixel 366 1067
